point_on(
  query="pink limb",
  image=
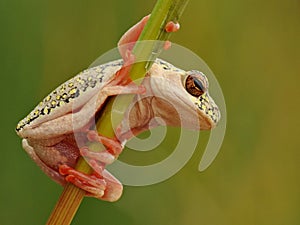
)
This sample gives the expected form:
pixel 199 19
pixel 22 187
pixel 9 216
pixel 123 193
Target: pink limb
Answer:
pixel 105 157
pixel 122 75
pixel 105 187
pixel 102 158
pixel 125 46
pixel 90 183
pixel 113 146
pixel 128 40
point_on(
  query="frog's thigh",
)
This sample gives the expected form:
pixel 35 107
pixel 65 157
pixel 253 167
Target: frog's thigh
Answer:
pixel 47 170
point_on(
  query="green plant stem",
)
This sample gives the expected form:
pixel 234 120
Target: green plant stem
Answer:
pixel 163 12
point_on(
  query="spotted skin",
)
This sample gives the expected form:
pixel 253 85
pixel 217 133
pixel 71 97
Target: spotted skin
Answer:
pixel 87 81
pixel 93 79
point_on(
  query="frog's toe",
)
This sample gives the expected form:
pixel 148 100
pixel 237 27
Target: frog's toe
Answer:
pixel 112 144
pixel 92 184
pixel 114 188
pixel 102 186
pixel 172 27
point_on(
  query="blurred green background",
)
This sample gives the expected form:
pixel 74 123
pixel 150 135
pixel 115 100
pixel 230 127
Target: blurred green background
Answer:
pixel 253 47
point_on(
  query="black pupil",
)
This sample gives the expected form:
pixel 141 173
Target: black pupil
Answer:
pixel 198 84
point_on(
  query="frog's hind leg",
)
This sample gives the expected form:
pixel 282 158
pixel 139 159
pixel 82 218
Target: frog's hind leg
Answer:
pixel 100 184
pixel 53 174
pixel 103 186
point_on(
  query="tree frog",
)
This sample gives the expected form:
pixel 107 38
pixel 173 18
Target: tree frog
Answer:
pixel 49 131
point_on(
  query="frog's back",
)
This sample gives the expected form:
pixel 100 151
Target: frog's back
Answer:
pixel 79 88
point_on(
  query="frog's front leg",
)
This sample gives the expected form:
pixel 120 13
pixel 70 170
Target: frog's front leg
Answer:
pixel 127 41
pixel 113 148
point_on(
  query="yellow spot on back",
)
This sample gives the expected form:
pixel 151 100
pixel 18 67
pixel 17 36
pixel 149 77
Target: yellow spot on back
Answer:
pixel 61 103
pixel 79 80
pixel 45 110
pixel 72 91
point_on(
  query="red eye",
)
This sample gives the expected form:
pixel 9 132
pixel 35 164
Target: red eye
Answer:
pixel 194 86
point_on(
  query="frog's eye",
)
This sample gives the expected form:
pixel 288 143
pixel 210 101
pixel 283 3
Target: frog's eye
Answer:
pixel 194 86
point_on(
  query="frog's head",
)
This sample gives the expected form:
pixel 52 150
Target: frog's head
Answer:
pixel 196 85
pixel 182 97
